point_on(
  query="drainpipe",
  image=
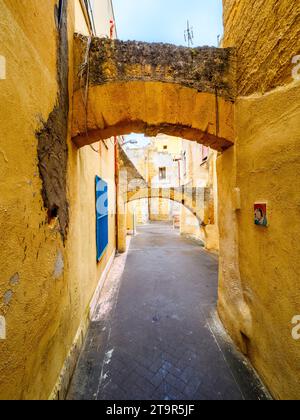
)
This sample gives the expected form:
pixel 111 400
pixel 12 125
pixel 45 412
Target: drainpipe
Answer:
pixel 179 172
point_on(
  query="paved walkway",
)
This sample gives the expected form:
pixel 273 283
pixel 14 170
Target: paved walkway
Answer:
pixel 155 335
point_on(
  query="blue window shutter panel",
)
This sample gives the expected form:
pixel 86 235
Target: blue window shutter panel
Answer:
pixel 101 217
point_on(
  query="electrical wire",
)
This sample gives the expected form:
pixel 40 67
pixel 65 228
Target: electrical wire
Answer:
pixel 84 68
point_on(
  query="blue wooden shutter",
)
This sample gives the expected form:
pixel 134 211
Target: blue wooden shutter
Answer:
pixel 101 216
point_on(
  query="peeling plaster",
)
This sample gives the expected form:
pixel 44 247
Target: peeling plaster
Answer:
pixel 8 297
pixel 52 140
pixel 14 280
pixel 59 266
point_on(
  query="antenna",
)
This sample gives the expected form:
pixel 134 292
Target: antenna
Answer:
pixel 189 34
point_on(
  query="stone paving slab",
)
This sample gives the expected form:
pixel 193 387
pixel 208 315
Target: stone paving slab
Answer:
pixel 158 340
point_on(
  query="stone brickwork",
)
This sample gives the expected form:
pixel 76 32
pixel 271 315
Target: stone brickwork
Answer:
pixel 152 89
pixel 206 69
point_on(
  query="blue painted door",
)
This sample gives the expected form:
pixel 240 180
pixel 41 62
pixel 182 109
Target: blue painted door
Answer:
pixel 101 216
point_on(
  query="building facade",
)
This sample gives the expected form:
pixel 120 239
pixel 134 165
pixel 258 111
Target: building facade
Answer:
pixel 170 162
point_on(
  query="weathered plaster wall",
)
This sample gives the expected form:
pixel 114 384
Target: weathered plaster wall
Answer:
pixel 268 169
pixel 30 249
pixel 211 230
pixel 52 137
pixel 141 208
pixel 259 291
pixel 45 284
pixel 265 35
pixel 83 272
pixel 131 219
pixel 153 108
pixel 232 307
pixel 161 210
pixel 190 226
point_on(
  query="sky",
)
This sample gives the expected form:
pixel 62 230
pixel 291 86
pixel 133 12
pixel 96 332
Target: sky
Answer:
pixel 166 20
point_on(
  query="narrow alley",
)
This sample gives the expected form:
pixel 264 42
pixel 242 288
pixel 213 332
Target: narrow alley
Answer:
pixel 156 336
pixel 149 201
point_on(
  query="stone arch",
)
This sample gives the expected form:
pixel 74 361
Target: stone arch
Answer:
pixel 125 87
pixel 153 89
pixel 190 198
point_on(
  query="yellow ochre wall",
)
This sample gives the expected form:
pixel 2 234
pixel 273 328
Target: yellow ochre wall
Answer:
pixel 45 286
pixel 260 267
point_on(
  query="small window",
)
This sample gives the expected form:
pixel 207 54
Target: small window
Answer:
pixel 165 147
pixel 162 173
